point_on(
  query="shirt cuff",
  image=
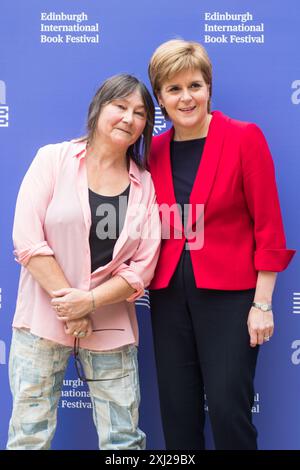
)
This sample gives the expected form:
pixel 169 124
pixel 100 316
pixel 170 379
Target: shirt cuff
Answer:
pixel 41 249
pixel 273 260
pixel 133 279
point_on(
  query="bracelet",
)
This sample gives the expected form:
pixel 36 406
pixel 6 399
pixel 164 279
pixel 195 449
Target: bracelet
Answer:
pixel 93 302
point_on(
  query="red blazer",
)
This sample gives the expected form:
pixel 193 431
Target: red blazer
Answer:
pixel 243 230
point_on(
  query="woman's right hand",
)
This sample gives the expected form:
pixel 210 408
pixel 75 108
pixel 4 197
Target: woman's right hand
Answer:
pixel 82 325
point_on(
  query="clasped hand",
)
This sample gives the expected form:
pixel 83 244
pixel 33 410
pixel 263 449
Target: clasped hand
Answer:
pixel 82 327
pixel 71 304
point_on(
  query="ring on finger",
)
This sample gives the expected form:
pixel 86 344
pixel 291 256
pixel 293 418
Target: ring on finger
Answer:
pixel 81 334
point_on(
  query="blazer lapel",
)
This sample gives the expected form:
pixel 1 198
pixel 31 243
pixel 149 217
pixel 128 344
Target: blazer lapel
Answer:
pixel 161 171
pixel 208 166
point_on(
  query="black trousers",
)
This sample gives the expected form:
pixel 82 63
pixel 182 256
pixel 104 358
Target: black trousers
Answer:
pixel 202 347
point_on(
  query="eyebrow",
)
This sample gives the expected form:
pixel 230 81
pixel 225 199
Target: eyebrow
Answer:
pixel 192 81
pixel 127 101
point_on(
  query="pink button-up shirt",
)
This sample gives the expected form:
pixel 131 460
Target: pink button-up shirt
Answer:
pixel 53 218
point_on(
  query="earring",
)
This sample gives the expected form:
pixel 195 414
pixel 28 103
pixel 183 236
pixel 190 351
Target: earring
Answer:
pixel 161 106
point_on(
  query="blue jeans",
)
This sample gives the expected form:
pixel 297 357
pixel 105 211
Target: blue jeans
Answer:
pixel 36 371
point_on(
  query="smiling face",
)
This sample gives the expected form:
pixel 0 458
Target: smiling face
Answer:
pixel 185 97
pixel 122 121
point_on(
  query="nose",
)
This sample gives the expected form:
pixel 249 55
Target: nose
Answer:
pixel 128 116
pixel 185 95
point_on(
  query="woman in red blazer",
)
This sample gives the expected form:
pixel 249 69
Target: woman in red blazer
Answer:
pixel 223 243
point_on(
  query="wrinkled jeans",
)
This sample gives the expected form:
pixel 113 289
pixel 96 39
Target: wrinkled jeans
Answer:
pixel 36 371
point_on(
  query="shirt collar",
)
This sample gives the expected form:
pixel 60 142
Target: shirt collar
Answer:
pixel 134 172
pixel 78 148
pixel 79 151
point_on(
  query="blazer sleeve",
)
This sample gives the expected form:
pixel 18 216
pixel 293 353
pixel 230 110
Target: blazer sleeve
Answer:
pixel 139 270
pixel 33 199
pixel 263 203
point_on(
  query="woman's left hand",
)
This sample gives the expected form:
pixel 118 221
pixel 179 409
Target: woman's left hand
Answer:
pixel 260 326
pixel 81 328
pixel 71 304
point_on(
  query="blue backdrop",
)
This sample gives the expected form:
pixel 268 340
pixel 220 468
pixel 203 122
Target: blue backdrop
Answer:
pixel 47 78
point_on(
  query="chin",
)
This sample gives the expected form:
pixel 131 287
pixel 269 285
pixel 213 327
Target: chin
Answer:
pixel 188 123
pixel 121 139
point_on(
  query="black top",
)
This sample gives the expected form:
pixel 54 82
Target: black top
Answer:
pixel 185 160
pixel 108 216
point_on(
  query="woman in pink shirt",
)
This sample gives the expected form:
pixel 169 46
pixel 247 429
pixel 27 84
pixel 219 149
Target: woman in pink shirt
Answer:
pixel 87 235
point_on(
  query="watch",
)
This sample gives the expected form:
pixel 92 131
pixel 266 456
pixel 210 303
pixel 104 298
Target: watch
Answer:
pixel 261 306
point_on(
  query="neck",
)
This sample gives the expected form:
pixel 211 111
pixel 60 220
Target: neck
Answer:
pixel 194 133
pixel 106 155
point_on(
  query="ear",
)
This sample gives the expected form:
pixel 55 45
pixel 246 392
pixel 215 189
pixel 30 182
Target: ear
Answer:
pixel 159 99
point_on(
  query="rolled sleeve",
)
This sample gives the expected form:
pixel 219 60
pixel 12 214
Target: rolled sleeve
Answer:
pixel 273 260
pixel 263 203
pixel 32 203
pixel 141 267
pixel 130 275
pixel 41 249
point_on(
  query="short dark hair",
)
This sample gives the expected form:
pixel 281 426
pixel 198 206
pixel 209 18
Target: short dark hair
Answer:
pixel 118 87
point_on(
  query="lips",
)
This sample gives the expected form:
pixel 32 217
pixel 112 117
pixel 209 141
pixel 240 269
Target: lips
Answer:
pixel 123 130
pixel 187 109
